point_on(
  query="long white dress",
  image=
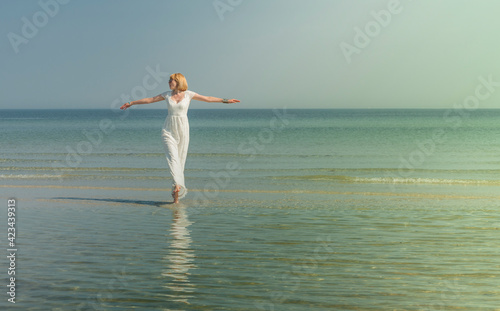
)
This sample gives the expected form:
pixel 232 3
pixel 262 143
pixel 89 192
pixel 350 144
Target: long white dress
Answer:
pixel 175 136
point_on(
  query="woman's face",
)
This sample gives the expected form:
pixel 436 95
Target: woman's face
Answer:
pixel 172 84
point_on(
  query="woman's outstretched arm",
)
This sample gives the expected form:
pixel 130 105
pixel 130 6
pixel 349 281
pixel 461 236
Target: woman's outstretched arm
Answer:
pixel 211 99
pixel 143 101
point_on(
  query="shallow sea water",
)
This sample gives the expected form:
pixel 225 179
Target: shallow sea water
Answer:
pixel 336 224
pixel 113 251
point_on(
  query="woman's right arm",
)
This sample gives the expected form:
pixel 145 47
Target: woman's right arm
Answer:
pixel 143 101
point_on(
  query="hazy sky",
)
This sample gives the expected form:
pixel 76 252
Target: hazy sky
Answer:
pixel 268 54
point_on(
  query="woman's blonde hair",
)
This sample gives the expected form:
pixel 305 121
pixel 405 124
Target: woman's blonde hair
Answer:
pixel 182 84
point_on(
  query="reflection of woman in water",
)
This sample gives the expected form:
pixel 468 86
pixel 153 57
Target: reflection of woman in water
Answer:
pixel 175 131
pixel 180 257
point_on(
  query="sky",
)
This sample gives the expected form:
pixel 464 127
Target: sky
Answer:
pixel 267 53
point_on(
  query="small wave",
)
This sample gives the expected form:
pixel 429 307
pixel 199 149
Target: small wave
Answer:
pixel 82 169
pixel 392 180
pixel 395 180
pixel 29 176
pixel 21 118
pixel 58 155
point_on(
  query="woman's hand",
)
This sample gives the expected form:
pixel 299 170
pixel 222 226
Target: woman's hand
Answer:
pixel 125 106
pixel 232 101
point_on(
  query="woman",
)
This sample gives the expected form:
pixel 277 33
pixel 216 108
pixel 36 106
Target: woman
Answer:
pixel 175 132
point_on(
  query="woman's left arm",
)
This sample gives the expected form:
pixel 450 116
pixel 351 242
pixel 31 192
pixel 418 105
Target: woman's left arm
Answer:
pixel 211 99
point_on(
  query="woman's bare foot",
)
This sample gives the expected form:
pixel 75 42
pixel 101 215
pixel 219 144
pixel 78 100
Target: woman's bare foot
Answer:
pixel 175 194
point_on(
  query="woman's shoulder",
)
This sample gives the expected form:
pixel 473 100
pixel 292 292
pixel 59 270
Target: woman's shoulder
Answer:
pixel 190 93
pixel 165 94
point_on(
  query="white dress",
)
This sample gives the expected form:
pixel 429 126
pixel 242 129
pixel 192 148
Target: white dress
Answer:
pixel 175 136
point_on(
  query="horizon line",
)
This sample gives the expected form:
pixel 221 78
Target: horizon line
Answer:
pixel 251 108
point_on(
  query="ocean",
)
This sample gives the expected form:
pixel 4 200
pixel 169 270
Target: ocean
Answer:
pixel 287 209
